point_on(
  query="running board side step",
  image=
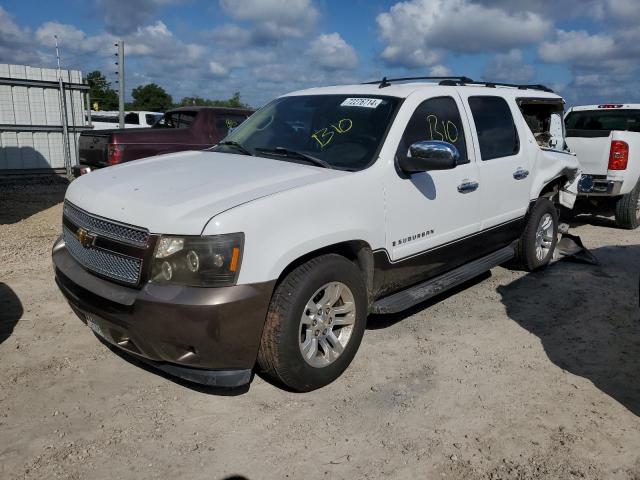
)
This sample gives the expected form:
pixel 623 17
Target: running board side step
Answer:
pixel 426 290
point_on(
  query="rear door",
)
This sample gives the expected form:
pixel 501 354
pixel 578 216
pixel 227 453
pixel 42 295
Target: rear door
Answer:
pixel 504 166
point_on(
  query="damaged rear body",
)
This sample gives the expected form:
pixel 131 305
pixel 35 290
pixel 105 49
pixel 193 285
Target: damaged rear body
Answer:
pixel 555 165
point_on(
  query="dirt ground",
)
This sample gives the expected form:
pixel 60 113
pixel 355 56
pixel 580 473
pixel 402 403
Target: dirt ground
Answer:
pixel 514 376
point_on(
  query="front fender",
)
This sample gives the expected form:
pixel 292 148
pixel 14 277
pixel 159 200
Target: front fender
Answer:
pixel 283 227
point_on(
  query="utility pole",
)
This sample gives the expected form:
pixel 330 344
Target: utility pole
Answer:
pixel 120 72
pixel 63 116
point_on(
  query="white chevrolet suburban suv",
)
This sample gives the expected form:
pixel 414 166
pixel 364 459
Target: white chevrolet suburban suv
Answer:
pixel 324 206
pixel 606 139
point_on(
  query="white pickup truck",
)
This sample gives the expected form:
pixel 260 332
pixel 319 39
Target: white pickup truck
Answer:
pixel 322 207
pixel 606 139
pixel 109 120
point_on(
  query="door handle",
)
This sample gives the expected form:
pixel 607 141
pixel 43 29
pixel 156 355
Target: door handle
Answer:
pixel 520 174
pixel 468 187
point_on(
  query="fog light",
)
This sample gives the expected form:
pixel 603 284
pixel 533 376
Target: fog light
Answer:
pixel 218 260
pixel 193 261
pixel 167 271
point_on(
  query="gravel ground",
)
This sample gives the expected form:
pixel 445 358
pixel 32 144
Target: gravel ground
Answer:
pixel 514 376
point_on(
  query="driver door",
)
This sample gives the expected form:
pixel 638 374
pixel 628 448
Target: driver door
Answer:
pixel 432 216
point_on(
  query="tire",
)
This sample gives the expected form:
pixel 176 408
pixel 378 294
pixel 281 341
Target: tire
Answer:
pixel 628 209
pixel 289 326
pixel 535 249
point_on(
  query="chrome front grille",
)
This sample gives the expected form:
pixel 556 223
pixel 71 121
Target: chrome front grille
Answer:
pixel 105 247
pixel 109 264
pixel 116 231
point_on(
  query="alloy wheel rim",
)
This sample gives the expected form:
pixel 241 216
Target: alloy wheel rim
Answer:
pixel 544 236
pixel 326 324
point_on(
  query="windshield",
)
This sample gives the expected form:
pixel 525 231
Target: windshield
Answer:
pixel 345 131
pixel 603 121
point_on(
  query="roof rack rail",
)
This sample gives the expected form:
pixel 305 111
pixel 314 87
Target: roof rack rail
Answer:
pixel 535 86
pixel 386 82
pixel 455 81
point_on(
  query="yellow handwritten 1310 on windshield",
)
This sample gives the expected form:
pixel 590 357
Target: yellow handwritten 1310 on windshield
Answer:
pixel 324 136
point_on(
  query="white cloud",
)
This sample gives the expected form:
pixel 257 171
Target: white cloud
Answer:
pixel 439 71
pixel 578 47
pixel 625 10
pixel 15 42
pixel 416 32
pixel 331 52
pixel 230 35
pixel 508 67
pixel 71 38
pixel 273 19
pixel 218 70
pixel 125 16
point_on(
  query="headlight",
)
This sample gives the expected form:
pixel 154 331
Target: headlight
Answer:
pixel 198 261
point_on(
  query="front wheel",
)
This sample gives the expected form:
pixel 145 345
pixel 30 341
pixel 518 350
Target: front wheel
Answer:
pixel 314 324
pixel 628 209
pixel 538 241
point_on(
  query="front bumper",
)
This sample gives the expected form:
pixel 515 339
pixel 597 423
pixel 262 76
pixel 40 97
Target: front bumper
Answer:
pixel 204 335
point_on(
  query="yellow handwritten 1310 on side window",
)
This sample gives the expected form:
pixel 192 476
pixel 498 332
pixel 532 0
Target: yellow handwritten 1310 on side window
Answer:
pixel 449 131
pixel 324 136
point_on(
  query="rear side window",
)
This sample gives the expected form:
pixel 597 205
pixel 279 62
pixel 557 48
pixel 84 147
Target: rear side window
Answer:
pixel 132 119
pixel 226 123
pixel 152 118
pixel 435 119
pixel 604 120
pixel 178 119
pixel 497 133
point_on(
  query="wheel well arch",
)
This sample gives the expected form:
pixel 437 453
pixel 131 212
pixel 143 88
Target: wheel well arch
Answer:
pixel 552 188
pixel 357 251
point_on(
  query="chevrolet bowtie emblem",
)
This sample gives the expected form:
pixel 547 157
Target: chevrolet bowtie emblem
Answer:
pixel 85 238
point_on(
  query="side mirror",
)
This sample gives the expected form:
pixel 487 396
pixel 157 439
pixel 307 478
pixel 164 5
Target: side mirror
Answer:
pixel 430 155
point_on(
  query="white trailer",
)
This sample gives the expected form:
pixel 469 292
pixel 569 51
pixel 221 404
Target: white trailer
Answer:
pixel 31 118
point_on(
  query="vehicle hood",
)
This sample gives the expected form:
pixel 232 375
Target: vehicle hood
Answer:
pixel 180 192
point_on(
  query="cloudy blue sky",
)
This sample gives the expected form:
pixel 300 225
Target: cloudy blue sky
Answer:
pixel 588 50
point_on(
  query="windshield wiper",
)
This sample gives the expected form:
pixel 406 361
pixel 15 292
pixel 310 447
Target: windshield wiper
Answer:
pixel 285 152
pixel 238 145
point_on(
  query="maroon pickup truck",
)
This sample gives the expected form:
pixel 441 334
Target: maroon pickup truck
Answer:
pixel 185 128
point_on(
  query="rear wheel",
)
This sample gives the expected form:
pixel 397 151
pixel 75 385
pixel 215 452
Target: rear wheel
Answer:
pixel 315 323
pixel 628 209
pixel 538 241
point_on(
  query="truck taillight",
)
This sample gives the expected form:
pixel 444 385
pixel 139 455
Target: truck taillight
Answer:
pixel 114 153
pixel 619 155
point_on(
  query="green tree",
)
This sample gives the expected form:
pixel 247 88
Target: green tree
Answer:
pixel 151 97
pixel 235 102
pixel 100 92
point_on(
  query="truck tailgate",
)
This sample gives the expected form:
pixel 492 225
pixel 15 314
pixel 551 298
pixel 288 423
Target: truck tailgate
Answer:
pixel 93 148
pixel 592 153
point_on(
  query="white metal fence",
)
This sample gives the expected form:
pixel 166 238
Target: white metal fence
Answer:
pixel 31 125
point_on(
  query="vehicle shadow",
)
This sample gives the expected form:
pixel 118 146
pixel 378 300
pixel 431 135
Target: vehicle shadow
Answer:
pixel 587 318
pixel 218 391
pixel 23 196
pixel 594 219
pixel 10 311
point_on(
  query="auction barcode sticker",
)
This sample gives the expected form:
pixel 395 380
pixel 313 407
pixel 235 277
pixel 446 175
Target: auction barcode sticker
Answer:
pixel 361 102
